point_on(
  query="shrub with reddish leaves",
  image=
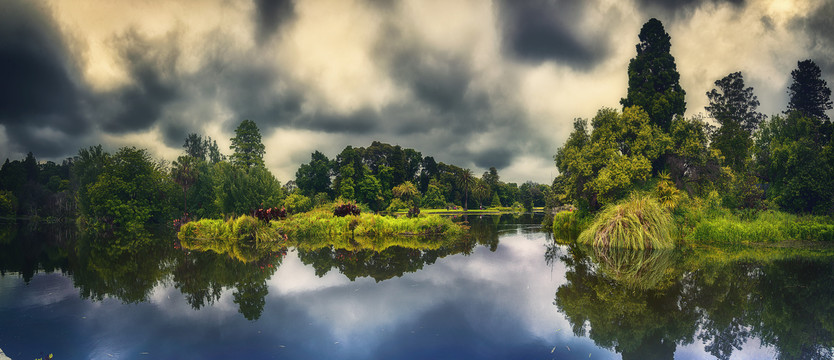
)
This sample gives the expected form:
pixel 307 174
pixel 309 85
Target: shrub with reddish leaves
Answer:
pixel 270 214
pixel 346 209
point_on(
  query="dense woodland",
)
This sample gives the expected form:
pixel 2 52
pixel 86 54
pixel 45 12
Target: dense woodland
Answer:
pixel 737 155
pixel 129 189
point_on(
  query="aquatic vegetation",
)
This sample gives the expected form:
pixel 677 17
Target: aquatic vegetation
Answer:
pixel 320 223
pixel 567 225
pixel 638 222
pixel 637 269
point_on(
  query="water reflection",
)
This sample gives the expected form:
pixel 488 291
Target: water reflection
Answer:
pixel 490 295
pixel 644 304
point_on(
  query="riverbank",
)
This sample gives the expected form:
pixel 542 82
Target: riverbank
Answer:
pixel 641 222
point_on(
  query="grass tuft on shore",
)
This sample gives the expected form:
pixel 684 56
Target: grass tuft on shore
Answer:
pixel 639 222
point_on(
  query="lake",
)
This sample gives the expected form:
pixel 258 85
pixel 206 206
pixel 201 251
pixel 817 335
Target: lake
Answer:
pixel 507 291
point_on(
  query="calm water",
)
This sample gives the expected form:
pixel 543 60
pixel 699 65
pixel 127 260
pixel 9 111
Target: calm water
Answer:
pixel 509 291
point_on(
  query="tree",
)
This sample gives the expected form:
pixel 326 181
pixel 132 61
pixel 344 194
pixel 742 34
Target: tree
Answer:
pixel 434 198
pixel 653 78
pixel 314 177
pixel 407 192
pixel 809 93
pixel 130 192
pixel 599 168
pixel 480 191
pixel 370 192
pixel 185 173
pixel 248 148
pixel 203 149
pixel 734 107
pixel 465 180
pixel 797 162
pixel 692 165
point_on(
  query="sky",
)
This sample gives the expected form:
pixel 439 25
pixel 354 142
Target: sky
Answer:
pixel 474 83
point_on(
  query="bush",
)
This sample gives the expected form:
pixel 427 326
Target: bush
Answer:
pixel 342 210
pixel 297 203
pixel 566 225
pixel 639 222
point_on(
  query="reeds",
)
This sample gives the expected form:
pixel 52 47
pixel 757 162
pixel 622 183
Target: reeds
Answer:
pixel 638 222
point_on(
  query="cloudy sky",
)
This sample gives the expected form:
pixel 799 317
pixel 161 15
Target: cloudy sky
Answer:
pixel 474 83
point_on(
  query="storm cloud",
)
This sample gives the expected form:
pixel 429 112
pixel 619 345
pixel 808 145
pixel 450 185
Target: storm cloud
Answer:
pixel 41 104
pixel 471 83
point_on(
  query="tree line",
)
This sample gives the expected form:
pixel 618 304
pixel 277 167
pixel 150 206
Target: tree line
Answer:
pixel 129 189
pixel 752 162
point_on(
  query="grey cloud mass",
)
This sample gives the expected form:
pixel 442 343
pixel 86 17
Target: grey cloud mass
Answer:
pixel 38 90
pixel 471 83
pixel 540 30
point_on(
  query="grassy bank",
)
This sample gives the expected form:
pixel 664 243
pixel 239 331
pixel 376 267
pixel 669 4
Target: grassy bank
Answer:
pixel 640 222
pixel 319 225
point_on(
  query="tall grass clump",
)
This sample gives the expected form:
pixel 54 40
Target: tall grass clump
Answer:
pixel 567 225
pixel 639 222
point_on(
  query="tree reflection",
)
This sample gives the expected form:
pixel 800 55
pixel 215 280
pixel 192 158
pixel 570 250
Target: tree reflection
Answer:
pixel 644 304
pixel 389 258
pixel 636 318
pixel 209 265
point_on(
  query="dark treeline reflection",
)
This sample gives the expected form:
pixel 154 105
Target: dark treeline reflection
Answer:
pixel 382 259
pixel 643 304
pixel 129 268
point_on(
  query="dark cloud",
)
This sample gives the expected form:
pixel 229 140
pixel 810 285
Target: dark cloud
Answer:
pixel 682 7
pixel 498 157
pixel 819 26
pixel 155 83
pixel 541 30
pixel 38 90
pixel 270 15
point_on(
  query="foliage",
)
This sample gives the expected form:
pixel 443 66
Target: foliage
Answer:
pixel 433 198
pixel 247 146
pixel 692 165
pixel 638 222
pixel 342 210
pixel 809 93
pixel 314 178
pixel 567 225
pixel 129 192
pixel 734 107
pixel 240 190
pixel 297 203
pixel 321 224
pixel 600 168
pixel 762 227
pixel 653 78
pixel 667 194
pixel 269 214
pixel 465 180
pixel 407 193
pixel 8 204
pixel 396 205
pixel 793 157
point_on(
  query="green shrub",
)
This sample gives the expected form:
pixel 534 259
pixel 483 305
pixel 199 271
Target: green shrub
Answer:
pixel 639 222
pixel 567 225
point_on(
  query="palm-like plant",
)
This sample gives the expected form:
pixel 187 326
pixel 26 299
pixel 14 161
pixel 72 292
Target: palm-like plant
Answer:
pixel 185 174
pixel 465 181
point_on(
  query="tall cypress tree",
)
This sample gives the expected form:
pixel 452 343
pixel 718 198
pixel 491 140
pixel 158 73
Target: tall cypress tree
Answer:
pixel 248 148
pixel 809 93
pixel 653 78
